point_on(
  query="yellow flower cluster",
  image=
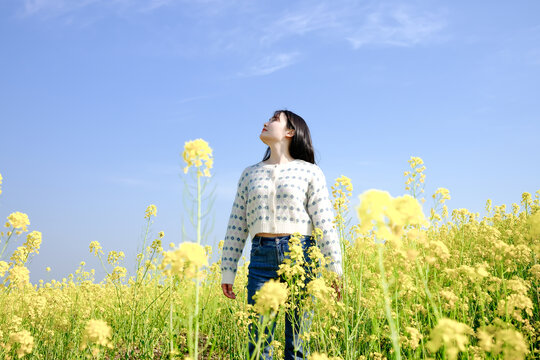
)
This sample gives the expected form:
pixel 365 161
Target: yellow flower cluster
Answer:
pixel 114 257
pixel 340 198
pixel 4 266
pixel 195 152
pixel 414 338
pixel 33 242
pixel 96 332
pixel 293 265
pixel 451 334
pixel 533 222
pixel 95 247
pixel 151 210
pixel 18 220
pixel 415 177
pixel 119 272
pixel 19 276
pixel 388 216
pixel 318 288
pixel 270 297
pixel 184 261
pixel 23 339
pixel 495 340
pixel 444 194
pixel 321 356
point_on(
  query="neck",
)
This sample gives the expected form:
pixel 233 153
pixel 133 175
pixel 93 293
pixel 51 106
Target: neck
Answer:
pixel 279 153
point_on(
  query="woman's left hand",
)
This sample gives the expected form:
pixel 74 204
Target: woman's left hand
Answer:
pixel 337 287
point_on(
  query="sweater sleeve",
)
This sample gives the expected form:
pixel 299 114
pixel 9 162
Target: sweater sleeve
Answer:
pixel 320 211
pixel 236 235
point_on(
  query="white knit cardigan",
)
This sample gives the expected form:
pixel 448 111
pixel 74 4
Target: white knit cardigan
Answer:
pixel 280 199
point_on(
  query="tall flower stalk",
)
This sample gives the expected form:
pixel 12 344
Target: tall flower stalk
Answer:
pixel 195 152
pixel 388 218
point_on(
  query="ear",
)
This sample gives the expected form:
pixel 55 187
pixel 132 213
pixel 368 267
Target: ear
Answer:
pixel 290 132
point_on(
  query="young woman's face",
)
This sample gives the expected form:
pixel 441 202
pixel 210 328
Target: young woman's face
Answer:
pixel 275 129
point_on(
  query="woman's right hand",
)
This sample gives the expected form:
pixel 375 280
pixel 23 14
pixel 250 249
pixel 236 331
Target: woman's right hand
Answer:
pixel 227 291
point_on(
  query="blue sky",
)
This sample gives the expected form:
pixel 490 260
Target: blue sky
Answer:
pixel 97 99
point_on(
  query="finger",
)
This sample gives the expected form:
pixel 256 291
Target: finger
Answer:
pixel 227 290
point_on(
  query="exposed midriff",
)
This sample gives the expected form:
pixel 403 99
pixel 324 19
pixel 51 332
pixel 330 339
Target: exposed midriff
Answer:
pixel 270 235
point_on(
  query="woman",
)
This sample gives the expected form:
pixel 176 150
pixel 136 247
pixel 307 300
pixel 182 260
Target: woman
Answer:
pixel 283 194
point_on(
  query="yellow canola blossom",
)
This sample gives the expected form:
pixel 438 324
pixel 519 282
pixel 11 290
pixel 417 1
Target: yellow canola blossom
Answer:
pixel 151 210
pixel 387 216
pixel 414 337
pixel 508 341
pixel 451 334
pixel 19 276
pixel 4 266
pixel 186 260
pixel 534 225
pixel 33 242
pixel 114 257
pixel 270 296
pixel 24 340
pixel 321 356
pixel 0 183
pixel 195 152
pixel 20 255
pixel 96 332
pixel 95 247
pixel 18 220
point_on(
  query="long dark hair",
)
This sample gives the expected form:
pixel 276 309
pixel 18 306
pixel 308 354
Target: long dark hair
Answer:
pixel 300 147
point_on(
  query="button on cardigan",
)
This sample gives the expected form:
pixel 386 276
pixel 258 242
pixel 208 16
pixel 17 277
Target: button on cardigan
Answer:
pixel 280 199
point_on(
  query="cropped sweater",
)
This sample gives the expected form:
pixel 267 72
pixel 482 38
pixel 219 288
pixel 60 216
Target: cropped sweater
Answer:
pixel 280 199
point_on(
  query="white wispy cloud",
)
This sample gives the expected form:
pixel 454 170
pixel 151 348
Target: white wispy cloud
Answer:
pixel 271 63
pixel 301 22
pixel 396 26
pixel 55 8
pixel 359 24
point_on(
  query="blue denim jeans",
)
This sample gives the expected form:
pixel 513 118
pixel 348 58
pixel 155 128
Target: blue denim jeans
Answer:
pixel 267 253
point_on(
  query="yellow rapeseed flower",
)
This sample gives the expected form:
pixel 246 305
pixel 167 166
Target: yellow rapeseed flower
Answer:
pixel 114 257
pixel 534 225
pixel 48 269
pixel 4 266
pixel 508 341
pixel 25 341
pixel 387 216
pixel 321 356
pixel 151 210
pixel 195 152
pixel 0 183
pixel 96 332
pixel 415 337
pixel 20 255
pixel 18 220
pixel 186 260
pixel 270 296
pixel 451 334
pixel 33 242
pixel 19 276
pixel 95 247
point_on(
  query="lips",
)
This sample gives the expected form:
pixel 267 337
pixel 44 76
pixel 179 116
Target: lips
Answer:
pixel 264 130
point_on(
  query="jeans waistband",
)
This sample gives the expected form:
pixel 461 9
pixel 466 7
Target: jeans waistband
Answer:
pixel 276 239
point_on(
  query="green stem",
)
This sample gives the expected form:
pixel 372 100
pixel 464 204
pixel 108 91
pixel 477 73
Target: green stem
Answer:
pixel 6 244
pixel 197 272
pixel 170 321
pixel 393 330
